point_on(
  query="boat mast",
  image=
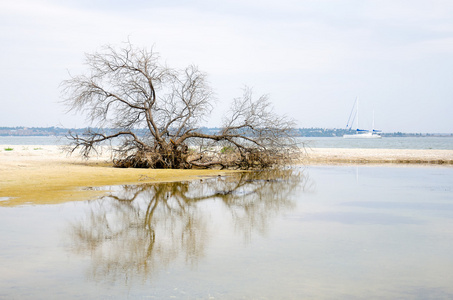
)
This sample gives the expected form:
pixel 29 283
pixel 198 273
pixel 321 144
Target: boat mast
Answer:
pixel 352 116
pixel 357 113
pixel 372 124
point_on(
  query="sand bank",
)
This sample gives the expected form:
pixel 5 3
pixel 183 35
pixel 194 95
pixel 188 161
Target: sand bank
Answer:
pixel 46 175
pixel 377 156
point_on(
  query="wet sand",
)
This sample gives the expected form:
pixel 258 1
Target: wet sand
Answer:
pixel 46 174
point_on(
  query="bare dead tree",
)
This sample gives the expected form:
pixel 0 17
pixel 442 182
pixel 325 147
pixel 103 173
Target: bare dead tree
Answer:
pixel 128 91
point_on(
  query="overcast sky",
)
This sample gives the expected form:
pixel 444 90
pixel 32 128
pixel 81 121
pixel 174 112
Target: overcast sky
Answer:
pixel 313 57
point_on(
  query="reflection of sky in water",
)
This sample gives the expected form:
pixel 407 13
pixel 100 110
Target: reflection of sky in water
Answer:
pixel 331 233
pixel 402 205
pixel 358 218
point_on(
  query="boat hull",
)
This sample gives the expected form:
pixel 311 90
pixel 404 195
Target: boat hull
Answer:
pixel 367 135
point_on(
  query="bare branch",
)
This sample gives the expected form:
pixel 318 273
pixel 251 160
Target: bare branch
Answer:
pixel 128 91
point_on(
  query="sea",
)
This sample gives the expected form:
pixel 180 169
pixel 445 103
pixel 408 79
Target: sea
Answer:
pixel 322 232
pixel 308 232
pixel 423 142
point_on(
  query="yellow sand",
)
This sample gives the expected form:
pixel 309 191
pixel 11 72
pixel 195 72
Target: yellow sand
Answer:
pixel 46 175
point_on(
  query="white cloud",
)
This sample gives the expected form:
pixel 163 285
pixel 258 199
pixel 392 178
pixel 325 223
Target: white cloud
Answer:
pixel 307 54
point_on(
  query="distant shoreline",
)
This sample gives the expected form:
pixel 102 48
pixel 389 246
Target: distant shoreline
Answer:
pixel 299 132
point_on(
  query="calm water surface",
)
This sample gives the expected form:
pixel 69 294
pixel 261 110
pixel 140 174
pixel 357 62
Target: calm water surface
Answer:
pixel 33 140
pixel 314 142
pixel 321 232
pixel 431 142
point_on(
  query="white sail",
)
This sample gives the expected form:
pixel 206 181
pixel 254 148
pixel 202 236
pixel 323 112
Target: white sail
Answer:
pixel 359 133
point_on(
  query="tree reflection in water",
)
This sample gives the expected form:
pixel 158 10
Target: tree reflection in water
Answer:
pixel 139 230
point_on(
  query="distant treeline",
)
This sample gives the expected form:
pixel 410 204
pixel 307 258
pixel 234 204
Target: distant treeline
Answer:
pixel 302 132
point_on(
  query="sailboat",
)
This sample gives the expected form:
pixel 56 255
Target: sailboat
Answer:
pixel 359 133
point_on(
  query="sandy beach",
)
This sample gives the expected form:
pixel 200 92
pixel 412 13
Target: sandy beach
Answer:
pixel 46 174
pixel 377 156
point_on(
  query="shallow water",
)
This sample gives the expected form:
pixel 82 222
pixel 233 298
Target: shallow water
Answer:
pixel 321 232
